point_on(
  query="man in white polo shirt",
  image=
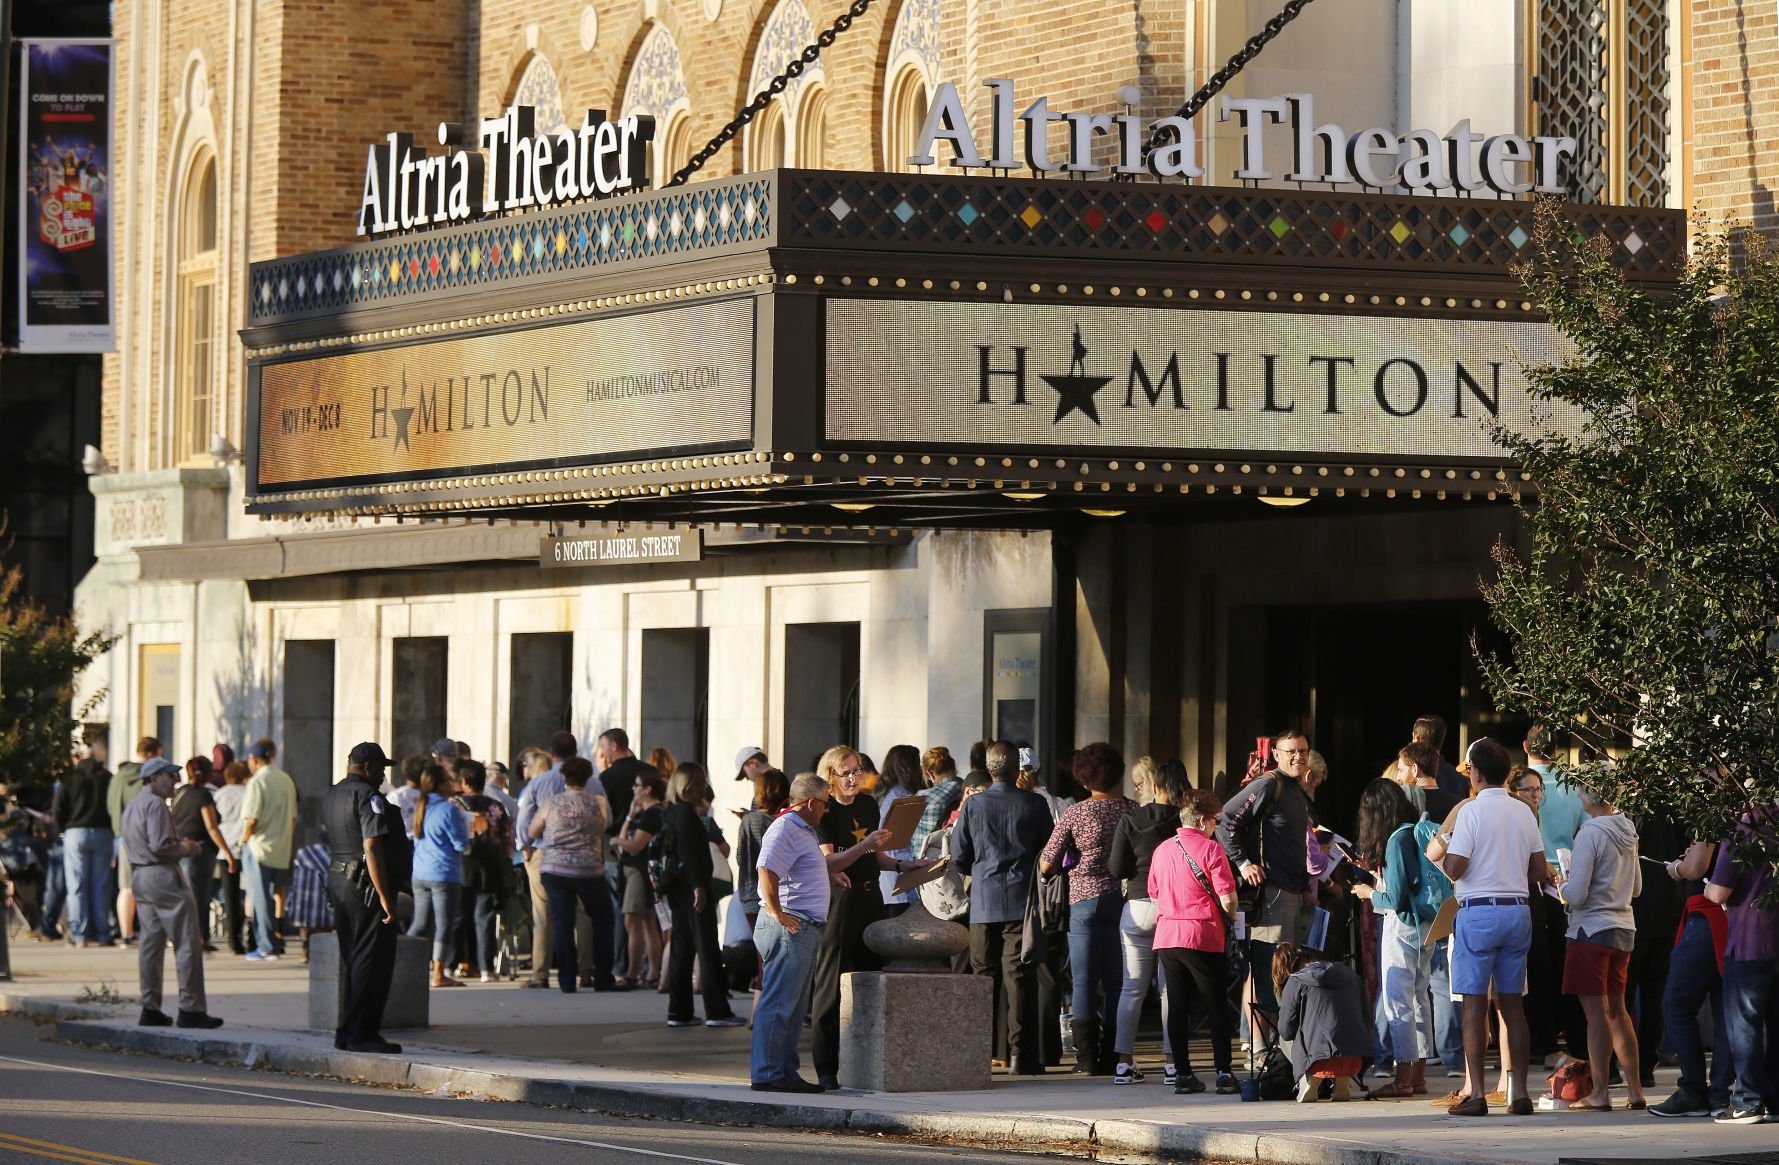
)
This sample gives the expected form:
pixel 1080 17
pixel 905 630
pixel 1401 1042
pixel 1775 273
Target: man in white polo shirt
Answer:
pixel 1495 857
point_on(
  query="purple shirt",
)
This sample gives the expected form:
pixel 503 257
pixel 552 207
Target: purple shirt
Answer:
pixel 793 850
pixel 1754 932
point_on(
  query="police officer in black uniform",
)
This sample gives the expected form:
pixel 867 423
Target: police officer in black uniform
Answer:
pixel 358 819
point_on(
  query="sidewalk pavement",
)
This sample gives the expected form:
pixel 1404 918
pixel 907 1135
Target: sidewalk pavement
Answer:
pixel 612 1053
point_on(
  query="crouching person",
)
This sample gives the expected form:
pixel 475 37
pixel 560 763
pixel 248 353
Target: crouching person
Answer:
pixel 1322 1014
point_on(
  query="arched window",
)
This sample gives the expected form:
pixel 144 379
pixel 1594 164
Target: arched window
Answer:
pixel 676 147
pixel 766 139
pixel 812 130
pixel 906 114
pixel 195 300
pixel 656 86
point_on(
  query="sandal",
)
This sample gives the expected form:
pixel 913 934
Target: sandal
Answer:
pixel 1393 1091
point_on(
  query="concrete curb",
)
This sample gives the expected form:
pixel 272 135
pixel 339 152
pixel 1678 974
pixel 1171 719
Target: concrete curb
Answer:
pixel 1109 1140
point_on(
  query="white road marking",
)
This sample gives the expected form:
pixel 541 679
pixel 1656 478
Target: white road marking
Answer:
pixel 429 1120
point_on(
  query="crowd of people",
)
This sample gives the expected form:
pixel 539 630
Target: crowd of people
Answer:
pixel 1488 904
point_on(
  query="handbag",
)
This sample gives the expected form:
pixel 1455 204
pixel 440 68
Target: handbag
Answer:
pixel 1046 900
pixel 1572 1082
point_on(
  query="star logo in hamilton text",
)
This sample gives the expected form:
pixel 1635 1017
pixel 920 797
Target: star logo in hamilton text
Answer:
pixel 402 417
pixel 1074 392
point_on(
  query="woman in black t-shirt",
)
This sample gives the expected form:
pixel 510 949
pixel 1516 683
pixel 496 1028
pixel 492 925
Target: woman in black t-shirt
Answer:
pixel 195 819
pixel 641 824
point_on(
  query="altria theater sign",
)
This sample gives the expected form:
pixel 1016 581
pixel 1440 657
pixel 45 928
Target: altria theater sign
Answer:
pixel 1419 160
pixel 516 168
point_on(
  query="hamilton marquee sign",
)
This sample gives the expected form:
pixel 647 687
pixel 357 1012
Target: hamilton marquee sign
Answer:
pixel 679 379
pixel 1056 376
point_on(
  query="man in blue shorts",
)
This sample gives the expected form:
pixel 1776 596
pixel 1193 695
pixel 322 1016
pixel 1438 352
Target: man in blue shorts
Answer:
pixel 1495 857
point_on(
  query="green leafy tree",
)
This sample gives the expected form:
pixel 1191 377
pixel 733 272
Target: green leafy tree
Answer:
pixel 1643 615
pixel 40 658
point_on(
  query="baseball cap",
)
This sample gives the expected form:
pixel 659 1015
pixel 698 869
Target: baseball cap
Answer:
pixel 1028 758
pixel 444 746
pixel 368 754
pixel 261 750
pixel 745 755
pixel 155 766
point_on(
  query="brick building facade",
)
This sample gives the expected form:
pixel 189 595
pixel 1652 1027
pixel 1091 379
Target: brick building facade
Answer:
pixel 283 98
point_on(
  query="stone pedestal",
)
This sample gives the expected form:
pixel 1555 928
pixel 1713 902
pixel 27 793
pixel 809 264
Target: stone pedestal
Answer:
pixel 915 1032
pixel 409 999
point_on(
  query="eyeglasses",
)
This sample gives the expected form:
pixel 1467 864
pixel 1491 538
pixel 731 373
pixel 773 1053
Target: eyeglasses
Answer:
pixel 1291 752
pixel 817 803
pixel 1530 790
pixel 845 773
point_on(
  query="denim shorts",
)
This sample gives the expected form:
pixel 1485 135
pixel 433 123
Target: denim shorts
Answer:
pixel 1490 943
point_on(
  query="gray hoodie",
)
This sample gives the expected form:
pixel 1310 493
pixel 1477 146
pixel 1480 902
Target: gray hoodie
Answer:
pixel 1604 875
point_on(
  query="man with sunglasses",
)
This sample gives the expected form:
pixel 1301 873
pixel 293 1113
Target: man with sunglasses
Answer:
pixel 794 899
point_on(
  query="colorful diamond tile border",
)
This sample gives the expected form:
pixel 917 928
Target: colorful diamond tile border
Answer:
pixel 683 221
pixel 814 209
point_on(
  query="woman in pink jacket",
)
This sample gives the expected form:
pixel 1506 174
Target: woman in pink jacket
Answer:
pixel 1194 893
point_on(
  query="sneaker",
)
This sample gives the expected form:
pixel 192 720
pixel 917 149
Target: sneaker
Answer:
pixel 1740 1113
pixel 725 1021
pixel 692 1021
pixel 259 957
pixel 486 977
pixel 1308 1090
pixel 1226 1085
pixel 1682 1103
pixel 1126 1074
pixel 1169 1075
pixel 1188 1084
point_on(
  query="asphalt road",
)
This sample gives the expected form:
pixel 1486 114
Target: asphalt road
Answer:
pixel 62 1103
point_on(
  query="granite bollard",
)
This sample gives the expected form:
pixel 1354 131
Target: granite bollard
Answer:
pixel 409 994
pixel 913 1027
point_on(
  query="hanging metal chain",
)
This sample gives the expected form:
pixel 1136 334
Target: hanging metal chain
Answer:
pixel 773 88
pixel 1235 64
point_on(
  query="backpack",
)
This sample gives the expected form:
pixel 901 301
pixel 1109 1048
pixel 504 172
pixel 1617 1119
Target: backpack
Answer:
pixel 486 867
pixel 1273 1070
pixel 945 897
pixel 666 865
pixel 1430 886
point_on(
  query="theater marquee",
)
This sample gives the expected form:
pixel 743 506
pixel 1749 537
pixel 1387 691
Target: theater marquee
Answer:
pixel 678 379
pixel 1138 378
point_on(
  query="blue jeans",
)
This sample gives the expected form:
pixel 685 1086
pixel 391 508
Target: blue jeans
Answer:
pixel 258 880
pixel 595 896
pixel 1094 957
pixel 1448 1027
pixel 86 861
pixel 436 910
pixel 1692 978
pixel 55 893
pixel 1750 995
pixel 787 969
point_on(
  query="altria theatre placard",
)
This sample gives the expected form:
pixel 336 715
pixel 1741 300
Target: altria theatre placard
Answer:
pixel 1076 376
